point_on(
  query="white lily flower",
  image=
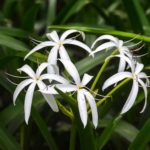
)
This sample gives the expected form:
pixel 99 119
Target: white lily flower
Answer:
pixel 58 46
pixel 35 78
pixel 113 42
pixel 82 93
pixel 137 76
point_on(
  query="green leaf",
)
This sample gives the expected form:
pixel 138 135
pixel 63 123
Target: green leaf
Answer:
pixel 103 31
pixel 12 43
pixel 137 15
pixel 43 129
pixel 142 138
pixel 7 141
pixel 73 7
pixel 106 134
pixel 15 32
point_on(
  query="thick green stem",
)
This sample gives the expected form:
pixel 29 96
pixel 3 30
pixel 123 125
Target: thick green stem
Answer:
pixel 72 137
pixel 101 70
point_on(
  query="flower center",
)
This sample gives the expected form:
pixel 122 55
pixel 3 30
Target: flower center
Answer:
pixel 37 78
pixel 60 43
pixel 79 86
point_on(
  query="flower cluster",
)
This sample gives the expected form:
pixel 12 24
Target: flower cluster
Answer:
pixel 78 85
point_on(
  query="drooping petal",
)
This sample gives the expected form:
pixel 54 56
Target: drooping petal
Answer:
pixel 92 103
pixel 82 107
pixel 55 77
pixel 145 93
pixel 41 68
pixel 138 68
pixel 78 43
pixel 103 47
pixel 71 69
pixel 28 101
pixel 53 69
pixel 66 87
pixel 52 57
pixel 122 65
pixel 63 53
pixel 40 46
pixel 116 78
pixel 51 101
pixel 20 87
pixel 143 75
pixel 132 96
pixel 68 32
pixel 53 36
pixel 28 70
pixel 86 79
pixel 105 37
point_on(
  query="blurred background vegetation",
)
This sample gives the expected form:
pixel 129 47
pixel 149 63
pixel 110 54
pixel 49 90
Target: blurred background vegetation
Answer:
pixel 22 20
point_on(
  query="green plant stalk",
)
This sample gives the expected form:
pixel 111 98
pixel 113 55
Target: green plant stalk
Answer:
pixel 112 91
pixel 101 70
pixel 72 136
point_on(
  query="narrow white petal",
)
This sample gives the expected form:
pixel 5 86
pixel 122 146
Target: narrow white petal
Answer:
pixel 103 47
pixel 138 68
pixel 132 96
pixel 122 65
pixel 41 68
pixel 116 78
pixel 53 69
pixel 28 70
pixel 40 46
pixel 49 90
pixel 143 75
pixel 79 44
pixel 53 36
pixel 28 101
pixel 92 103
pixel 20 87
pixel 55 77
pixel 66 87
pixel 82 107
pixel 63 53
pixel 71 69
pixel 52 57
pixel 105 37
pixel 86 79
pixel 68 32
pixel 51 101
pixel 145 93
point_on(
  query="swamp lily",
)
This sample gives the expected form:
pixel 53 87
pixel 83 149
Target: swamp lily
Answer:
pixel 33 79
pixel 137 77
pixel 112 42
pixel 82 93
pixel 57 45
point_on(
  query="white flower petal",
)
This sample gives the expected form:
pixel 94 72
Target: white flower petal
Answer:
pixel 132 96
pixel 66 87
pixel 145 93
pixel 143 75
pixel 82 107
pixel 40 46
pixel 122 65
pixel 20 87
pixel 63 53
pixel 103 47
pixel 105 37
pixel 116 78
pixel 49 90
pixel 138 68
pixel 55 77
pixel 51 101
pixel 68 32
pixel 53 36
pixel 28 70
pixel 79 44
pixel 86 79
pixel 28 101
pixel 41 68
pixel 93 106
pixel 71 69
pixel 53 69
pixel 52 57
